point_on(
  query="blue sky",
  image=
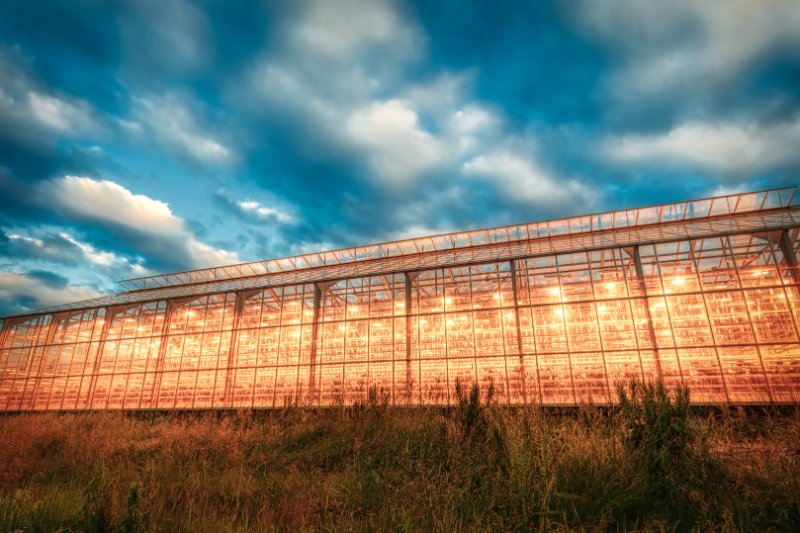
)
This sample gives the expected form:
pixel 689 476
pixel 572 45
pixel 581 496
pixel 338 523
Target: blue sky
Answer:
pixel 143 137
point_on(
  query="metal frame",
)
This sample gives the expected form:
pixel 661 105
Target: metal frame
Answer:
pixel 707 296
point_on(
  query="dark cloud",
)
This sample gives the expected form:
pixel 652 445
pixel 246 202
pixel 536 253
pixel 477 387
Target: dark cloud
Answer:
pixel 51 279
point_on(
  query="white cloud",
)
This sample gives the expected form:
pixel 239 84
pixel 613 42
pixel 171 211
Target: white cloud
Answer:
pixel 108 201
pixel 690 46
pixel 160 233
pixel 15 285
pixel 63 116
pixel 341 72
pixel 94 255
pixel 344 28
pixel 414 231
pixel 396 148
pixel 726 190
pixel 522 178
pixel 173 122
pixel 38 243
pixel 736 148
pixel 335 67
pixel 31 111
pixel 264 212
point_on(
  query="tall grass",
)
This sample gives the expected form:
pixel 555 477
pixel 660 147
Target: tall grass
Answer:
pixel 650 464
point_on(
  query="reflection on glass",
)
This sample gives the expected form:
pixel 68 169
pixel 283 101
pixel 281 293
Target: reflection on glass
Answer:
pixel 718 314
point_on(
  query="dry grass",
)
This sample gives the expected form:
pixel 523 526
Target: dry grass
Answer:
pixel 650 465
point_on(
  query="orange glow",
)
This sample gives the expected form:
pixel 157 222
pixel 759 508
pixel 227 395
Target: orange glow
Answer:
pixel 719 313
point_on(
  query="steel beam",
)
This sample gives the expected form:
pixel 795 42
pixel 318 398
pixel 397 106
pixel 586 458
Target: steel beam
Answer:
pixel 320 289
pixel 513 266
pixel 233 350
pixel 637 261
pixel 408 278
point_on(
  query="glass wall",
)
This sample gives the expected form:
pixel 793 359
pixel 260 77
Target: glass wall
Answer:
pixel 718 314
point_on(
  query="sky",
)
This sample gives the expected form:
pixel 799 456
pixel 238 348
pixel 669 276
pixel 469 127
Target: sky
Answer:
pixel 141 137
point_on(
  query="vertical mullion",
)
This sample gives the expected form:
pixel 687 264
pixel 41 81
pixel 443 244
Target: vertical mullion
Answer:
pixel 669 314
pixel 503 329
pixel 472 318
pixel 369 329
pixel 791 260
pixel 111 312
pixel 259 331
pixel 749 317
pixel 200 354
pixel 693 258
pixel 278 357
pixel 514 290
pixel 446 344
pixel 597 321
pixel 637 261
pixel 629 299
pixel 162 352
pixel 566 333
pixel 530 312
pixel 319 296
pixel 48 341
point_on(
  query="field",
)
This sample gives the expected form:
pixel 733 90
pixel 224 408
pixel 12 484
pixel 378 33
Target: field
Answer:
pixel 653 464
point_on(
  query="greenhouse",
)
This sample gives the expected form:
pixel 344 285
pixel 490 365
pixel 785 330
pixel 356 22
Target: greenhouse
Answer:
pixel 701 292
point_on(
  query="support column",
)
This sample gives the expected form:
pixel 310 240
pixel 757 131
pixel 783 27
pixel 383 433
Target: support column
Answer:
pixel 4 332
pixel 45 348
pixel 4 359
pixel 637 261
pixel 233 351
pixel 729 248
pixel 789 256
pixel 172 306
pixel 319 296
pixel 409 278
pixel 514 289
pixel 111 312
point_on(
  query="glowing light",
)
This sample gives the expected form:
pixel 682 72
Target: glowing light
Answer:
pixel 371 324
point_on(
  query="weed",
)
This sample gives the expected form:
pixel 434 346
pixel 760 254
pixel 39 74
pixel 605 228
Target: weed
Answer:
pixel 651 463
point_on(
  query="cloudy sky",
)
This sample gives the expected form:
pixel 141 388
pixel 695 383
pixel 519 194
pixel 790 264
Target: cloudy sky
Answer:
pixel 149 136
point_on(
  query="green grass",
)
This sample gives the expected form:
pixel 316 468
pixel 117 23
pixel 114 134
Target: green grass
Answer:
pixel 653 464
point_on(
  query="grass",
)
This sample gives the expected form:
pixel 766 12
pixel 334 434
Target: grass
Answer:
pixel 652 464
